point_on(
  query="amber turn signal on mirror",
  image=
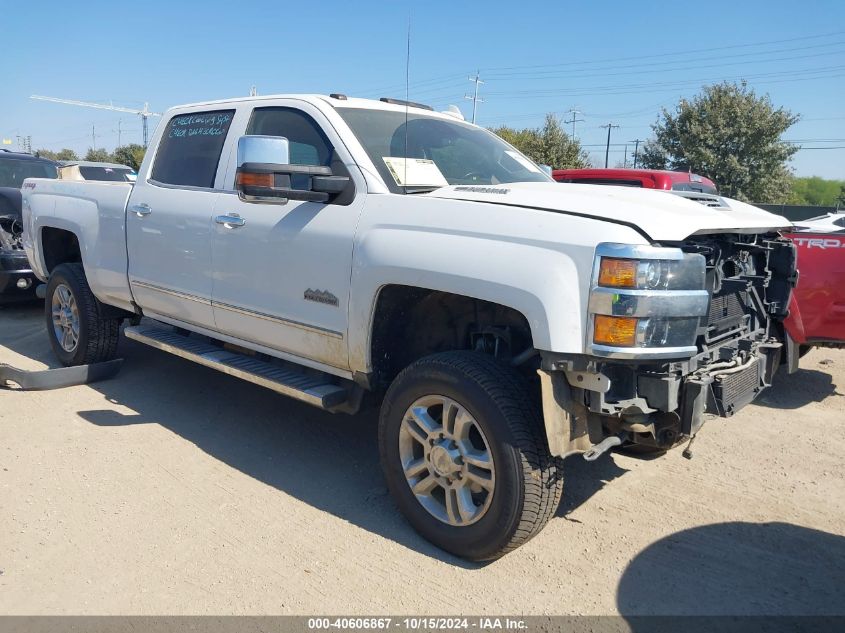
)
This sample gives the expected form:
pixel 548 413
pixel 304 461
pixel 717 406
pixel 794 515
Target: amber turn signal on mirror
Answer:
pixel 251 179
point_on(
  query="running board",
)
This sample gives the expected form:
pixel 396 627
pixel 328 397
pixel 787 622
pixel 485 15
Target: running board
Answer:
pixel 289 382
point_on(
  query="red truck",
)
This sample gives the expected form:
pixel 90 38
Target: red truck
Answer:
pixel 645 178
pixel 817 307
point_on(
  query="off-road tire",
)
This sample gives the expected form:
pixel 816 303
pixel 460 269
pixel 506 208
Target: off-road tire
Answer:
pixel 98 335
pixel 529 480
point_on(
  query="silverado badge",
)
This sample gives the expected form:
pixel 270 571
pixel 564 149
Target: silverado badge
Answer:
pixel 321 296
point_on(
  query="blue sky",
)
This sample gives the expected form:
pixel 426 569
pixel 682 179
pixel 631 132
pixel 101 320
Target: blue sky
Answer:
pixel 613 61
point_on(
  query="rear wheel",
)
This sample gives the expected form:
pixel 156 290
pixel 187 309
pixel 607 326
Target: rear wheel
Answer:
pixel 464 453
pixel 78 332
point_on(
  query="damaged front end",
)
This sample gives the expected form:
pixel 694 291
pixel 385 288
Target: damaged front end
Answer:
pixel 17 281
pixel 676 331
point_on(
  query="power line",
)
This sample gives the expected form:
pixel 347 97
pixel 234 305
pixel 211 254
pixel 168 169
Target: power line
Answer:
pixel 673 54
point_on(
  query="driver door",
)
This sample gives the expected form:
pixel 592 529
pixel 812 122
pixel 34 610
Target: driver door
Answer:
pixel 282 270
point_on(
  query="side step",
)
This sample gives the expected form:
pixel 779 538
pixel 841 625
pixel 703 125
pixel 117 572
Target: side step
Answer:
pixel 288 382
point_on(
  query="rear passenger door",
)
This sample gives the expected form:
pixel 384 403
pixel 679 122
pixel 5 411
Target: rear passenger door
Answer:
pixel 168 219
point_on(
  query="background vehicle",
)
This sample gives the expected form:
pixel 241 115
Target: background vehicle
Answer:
pixel 87 170
pixel 817 311
pixel 645 178
pixel 829 222
pixel 352 252
pixel 817 308
pixel 17 280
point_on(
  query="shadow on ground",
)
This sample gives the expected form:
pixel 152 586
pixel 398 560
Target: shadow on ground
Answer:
pixel 768 569
pixel 793 391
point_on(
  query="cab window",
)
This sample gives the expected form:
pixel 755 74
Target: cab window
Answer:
pixel 189 150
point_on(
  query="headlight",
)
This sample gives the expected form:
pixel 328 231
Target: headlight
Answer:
pixel 646 300
pixel 652 274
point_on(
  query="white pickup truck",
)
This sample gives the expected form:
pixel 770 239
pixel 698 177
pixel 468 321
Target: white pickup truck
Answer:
pixel 349 252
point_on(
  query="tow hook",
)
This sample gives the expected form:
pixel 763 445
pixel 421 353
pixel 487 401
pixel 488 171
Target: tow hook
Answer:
pixel 37 380
pixel 597 450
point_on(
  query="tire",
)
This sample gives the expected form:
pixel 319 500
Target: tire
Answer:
pixel 525 483
pixel 96 337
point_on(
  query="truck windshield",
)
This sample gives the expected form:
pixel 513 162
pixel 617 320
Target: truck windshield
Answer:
pixel 425 152
pixel 13 171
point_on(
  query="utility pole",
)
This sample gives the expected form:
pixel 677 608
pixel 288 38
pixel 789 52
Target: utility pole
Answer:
pixel 93 137
pixel 573 112
pixel 636 143
pixel 609 127
pixel 474 97
pixel 118 132
pixel 625 160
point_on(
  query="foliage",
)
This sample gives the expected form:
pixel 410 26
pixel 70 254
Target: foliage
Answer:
pixel 98 155
pixel 547 145
pixel 131 155
pixel 816 191
pixel 64 154
pixel 730 135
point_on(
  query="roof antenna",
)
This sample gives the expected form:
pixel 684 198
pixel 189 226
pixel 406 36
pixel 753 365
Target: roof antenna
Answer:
pixel 407 99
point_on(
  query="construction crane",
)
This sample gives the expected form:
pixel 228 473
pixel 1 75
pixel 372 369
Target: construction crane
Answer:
pixel 144 114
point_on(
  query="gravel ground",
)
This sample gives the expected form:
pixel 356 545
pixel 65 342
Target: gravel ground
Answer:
pixel 174 489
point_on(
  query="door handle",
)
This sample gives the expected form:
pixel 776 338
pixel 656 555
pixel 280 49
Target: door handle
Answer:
pixel 141 209
pixel 230 221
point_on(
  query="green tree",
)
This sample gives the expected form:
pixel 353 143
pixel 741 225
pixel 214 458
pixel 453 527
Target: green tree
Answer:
pixel 547 145
pixel 816 191
pixel 130 155
pixel 99 155
pixel 64 154
pixel 731 135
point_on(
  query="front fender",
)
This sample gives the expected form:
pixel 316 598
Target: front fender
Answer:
pixel 535 262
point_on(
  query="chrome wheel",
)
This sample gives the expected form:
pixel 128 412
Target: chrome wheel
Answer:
pixel 65 318
pixel 447 460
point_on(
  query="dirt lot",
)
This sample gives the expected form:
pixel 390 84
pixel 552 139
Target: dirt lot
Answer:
pixel 174 489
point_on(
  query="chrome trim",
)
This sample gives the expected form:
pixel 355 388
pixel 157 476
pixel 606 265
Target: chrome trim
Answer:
pixel 276 319
pixel 636 251
pixel 174 293
pixel 649 303
pixel 641 353
pixel 239 310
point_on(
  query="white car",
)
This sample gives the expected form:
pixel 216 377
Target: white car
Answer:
pixel 378 252
pixel 827 223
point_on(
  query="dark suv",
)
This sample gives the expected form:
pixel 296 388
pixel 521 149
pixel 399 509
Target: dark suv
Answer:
pixel 16 278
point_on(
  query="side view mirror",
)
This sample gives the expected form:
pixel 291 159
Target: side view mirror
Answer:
pixel 265 174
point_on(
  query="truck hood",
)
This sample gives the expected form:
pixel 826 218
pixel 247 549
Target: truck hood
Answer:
pixel 661 216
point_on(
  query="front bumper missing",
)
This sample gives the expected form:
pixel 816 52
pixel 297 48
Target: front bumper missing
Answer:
pixel 582 408
pixel 43 379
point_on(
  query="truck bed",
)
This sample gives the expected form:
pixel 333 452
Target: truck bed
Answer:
pixel 96 212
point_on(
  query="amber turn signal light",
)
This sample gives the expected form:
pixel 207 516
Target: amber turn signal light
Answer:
pixel 618 273
pixel 249 179
pixel 616 331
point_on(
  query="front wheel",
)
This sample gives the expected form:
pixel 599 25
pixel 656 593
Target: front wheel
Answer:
pixel 464 453
pixel 78 333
